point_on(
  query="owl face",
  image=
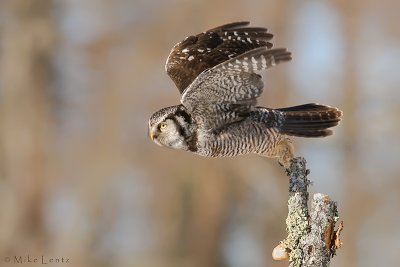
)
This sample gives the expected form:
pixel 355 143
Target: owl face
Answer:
pixel 167 127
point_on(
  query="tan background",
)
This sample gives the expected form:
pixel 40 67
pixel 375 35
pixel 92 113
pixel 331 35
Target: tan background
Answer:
pixel 80 179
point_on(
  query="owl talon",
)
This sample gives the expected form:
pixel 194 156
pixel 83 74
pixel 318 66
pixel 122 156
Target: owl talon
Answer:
pixel 285 164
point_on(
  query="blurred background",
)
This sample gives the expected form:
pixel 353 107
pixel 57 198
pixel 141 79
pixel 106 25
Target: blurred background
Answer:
pixel 80 179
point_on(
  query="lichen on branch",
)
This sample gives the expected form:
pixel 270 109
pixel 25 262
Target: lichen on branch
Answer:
pixel 311 237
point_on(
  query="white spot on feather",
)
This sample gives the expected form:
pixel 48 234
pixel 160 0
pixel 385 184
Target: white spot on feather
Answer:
pixel 273 62
pixel 263 62
pixel 254 61
pixel 190 58
pixel 185 50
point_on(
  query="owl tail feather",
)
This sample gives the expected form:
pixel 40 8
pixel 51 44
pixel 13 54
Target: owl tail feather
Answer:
pixel 309 120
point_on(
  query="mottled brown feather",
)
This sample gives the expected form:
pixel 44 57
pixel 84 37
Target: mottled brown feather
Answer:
pixel 205 50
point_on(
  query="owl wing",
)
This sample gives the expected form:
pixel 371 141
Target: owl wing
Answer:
pixel 227 92
pixel 203 51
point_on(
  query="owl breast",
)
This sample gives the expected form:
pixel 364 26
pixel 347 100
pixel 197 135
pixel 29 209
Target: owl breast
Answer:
pixel 236 139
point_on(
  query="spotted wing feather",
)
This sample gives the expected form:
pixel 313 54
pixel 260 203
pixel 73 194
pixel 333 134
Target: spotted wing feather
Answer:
pixel 198 53
pixel 226 92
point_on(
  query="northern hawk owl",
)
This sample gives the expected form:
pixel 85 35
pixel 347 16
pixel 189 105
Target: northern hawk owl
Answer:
pixel 215 72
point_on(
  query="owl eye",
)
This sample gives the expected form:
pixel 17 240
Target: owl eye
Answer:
pixel 163 125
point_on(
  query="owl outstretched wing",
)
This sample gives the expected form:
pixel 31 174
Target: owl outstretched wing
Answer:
pixel 227 92
pixel 198 53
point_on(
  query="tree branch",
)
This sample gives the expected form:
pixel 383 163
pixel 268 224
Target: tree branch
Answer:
pixel 311 239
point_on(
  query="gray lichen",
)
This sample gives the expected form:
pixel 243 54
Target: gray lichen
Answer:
pixel 323 217
pixel 297 220
pixel 310 234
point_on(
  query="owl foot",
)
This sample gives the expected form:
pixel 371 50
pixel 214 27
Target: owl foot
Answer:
pixel 285 163
pixel 285 153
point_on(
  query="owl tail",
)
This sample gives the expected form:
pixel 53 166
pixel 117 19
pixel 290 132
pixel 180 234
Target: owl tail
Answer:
pixel 309 120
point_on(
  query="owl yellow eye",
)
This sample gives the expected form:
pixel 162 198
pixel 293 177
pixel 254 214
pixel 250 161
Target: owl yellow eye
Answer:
pixel 163 125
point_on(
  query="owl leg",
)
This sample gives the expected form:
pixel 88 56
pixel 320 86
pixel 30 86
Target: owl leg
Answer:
pixel 283 150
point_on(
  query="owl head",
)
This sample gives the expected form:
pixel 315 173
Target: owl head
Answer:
pixel 170 127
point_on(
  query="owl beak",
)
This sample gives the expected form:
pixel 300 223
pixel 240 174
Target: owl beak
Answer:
pixel 152 134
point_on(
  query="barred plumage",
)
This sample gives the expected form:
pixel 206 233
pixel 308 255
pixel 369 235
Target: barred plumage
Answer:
pixel 215 72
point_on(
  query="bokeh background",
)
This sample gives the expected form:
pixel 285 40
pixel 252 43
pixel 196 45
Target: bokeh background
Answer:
pixel 80 179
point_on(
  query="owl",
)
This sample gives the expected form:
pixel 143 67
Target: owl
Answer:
pixel 217 75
